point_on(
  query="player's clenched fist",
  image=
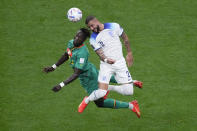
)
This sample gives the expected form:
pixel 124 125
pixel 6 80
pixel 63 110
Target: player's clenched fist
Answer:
pixel 56 88
pixel 48 69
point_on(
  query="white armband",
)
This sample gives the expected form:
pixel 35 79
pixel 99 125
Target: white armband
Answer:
pixel 105 60
pixel 54 66
pixel 62 84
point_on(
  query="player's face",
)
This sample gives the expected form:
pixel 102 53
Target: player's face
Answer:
pixel 78 39
pixel 94 25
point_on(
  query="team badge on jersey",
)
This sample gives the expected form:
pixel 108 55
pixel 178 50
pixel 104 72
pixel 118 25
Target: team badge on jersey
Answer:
pixel 81 60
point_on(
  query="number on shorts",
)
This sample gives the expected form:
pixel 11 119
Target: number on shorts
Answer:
pixel 129 76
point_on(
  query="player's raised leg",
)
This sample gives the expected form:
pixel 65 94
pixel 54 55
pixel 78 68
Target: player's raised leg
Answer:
pixel 95 95
pixel 113 104
pixel 124 89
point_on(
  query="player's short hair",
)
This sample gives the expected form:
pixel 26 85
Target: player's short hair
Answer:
pixel 86 32
pixel 89 18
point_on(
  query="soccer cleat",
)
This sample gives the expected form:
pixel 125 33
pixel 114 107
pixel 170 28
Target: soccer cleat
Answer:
pixel 136 108
pixel 82 106
pixel 138 83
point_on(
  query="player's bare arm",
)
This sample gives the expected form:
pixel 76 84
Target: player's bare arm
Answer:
pixel 102 56
pixel 73 77
pixel 129 57
pixel 62 59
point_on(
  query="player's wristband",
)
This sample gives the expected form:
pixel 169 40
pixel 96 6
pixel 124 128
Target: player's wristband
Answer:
pixel 105 60
pixel 62 84
pixel 54 66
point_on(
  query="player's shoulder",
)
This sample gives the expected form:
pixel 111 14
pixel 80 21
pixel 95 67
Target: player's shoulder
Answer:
pixel 112 25
pixel 83 51
pixel 93 36
pixel 70 44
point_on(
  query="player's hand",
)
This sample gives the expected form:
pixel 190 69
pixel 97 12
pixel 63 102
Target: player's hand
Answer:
pixel 110 61
pixel 56 88
pixel 48 69
pixel 129 59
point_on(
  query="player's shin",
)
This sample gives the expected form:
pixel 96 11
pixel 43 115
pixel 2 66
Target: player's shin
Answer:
pixel 112 103
pixel 125 89
pixel 95 95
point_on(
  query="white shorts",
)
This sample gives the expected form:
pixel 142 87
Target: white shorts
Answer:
pixel 119 70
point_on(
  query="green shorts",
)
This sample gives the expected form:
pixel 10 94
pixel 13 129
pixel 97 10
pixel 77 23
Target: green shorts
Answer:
pixel 89 79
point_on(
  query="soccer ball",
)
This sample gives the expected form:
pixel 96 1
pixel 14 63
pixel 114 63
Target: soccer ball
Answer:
pixel 74 14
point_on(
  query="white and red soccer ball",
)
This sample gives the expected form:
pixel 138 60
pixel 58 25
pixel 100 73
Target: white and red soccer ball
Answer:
pixel 74 14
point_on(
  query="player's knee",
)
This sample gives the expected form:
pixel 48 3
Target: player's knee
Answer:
pixel 129 92
pixel 99 103
pixel 101 93
pixel 128 89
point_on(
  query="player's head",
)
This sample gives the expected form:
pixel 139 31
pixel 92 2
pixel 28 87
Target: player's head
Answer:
pixel 81 36
pixel 93 23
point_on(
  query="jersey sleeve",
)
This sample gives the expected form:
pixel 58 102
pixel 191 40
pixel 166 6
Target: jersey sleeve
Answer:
pixel 95 45
pixel 81 61
pixel 118 29
pixel 70 44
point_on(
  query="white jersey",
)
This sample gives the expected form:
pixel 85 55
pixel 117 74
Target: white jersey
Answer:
pixel 108 39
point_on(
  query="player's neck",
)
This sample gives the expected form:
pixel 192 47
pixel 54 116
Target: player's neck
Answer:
pixel 101 27
pixel 79 46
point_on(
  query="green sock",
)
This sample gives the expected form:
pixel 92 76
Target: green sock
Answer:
pixel 111 103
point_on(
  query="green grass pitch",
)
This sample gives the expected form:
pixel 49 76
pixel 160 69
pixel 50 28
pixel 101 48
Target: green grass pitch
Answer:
pixel 163 38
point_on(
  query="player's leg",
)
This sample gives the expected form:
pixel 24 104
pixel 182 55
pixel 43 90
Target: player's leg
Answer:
pixel 104 76
pixel 124 78
pixel 116 104
pixel 96 94
pixel 112 103
pixel 124 89
pixel 120 89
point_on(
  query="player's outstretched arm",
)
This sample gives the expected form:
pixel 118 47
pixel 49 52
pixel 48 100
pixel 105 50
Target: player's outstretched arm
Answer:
pixel 129 57
pixel 73 77
pixel 102 56
pixel 63 58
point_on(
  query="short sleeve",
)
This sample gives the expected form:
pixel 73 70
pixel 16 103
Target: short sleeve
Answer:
pixel 70 44
pixel 95 45
pixel 118 29
pixel 81 61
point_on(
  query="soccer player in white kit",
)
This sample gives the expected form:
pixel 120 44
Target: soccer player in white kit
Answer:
pixel 106 43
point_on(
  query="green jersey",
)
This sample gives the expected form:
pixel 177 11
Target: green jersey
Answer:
pixel 79 59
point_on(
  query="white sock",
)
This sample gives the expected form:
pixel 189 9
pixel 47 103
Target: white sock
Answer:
pixel 130 106
pixel 95 95
pixel 125 89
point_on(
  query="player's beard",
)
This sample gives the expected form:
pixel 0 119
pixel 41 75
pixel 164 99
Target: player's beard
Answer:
pixel 97 29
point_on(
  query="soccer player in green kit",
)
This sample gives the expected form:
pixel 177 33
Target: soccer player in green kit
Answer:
pixel 87 73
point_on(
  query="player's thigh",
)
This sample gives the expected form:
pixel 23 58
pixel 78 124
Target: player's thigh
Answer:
pixel 105 73
pixel 123 75
pixel 92 83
